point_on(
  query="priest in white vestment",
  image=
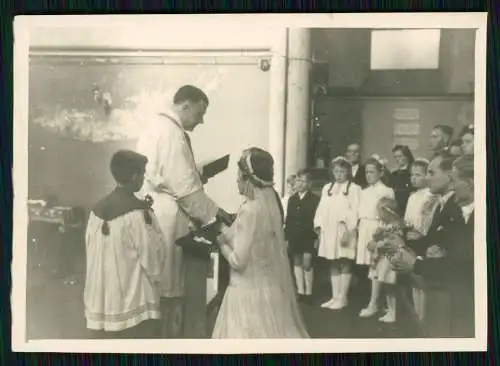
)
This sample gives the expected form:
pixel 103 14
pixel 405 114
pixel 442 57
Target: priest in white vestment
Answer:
pixel 174 181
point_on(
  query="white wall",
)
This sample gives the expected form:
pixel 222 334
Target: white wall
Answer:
pixel 183 36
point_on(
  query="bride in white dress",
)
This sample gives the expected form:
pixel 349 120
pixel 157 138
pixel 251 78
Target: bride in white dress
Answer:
pixel 260 300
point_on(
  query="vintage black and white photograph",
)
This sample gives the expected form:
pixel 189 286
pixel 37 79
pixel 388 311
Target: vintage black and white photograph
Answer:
pixel 262 178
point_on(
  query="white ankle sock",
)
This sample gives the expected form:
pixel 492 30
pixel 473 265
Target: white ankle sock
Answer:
pixel 345 281
pixel 308 276
pixel 299 279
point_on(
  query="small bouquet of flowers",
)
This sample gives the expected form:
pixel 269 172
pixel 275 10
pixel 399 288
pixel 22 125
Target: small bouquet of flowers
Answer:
pixel 387 241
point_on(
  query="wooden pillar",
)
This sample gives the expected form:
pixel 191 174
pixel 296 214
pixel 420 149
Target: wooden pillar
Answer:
pixel 298 100
pixel 277 108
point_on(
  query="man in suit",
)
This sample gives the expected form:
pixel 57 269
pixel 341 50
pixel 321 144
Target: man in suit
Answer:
pixel 353 154
pixel 443 257
pixel 462 255
pixel 440 139
pixel 299 232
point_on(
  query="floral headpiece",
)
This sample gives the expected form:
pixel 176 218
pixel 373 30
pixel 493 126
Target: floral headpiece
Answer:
pixel 422 160
pixel 247 165
pixel 342 159
pixel 381 161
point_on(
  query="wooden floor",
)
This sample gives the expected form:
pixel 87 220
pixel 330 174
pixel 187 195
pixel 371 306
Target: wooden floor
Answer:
pixel 55 311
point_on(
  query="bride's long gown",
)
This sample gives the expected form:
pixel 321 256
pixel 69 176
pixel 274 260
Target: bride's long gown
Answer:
pixel 260 299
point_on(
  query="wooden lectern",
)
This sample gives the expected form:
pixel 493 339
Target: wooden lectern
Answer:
pixel 197 314
pixel 197 248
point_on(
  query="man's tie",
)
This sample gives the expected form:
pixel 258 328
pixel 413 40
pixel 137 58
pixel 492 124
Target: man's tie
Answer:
pixel 188 139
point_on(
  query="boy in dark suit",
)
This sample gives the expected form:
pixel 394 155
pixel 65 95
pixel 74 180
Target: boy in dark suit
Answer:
pixel 299 231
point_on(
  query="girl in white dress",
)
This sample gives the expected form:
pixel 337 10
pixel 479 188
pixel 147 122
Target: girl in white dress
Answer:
pixel 260 300
pixel 335 223
pixel 418 218
pixel 390 231
pixel 369 222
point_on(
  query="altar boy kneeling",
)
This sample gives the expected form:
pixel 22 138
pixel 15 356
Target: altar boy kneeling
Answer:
pixel 125 254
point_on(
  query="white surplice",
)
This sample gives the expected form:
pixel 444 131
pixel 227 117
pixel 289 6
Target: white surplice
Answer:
pixel 174 182
pixel 123 271
pixel 260 300
pixel 337 213
pixel 369 219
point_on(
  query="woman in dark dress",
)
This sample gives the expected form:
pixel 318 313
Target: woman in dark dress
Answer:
pixel 400 178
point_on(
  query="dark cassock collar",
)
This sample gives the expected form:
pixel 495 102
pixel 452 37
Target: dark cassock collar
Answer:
pixel 118 203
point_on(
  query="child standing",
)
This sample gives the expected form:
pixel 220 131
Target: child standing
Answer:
pixel 125 254
pixel 418 217
pixel 335 223
pixel 369 222
pixel 290 190
pixel 381 273
pixel 299 232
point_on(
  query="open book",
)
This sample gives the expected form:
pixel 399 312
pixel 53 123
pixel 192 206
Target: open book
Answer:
pixel 214 167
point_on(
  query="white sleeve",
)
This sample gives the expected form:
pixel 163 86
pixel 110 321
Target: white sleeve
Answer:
pixel 352 212
pixel 409 208
pixel 170 166
pixel 246 226
pixel 199 206
pixel 148 241
pixel 319 215
pixel 390 193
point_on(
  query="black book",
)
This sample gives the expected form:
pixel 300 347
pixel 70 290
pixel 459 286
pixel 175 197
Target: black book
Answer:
pixel 215 167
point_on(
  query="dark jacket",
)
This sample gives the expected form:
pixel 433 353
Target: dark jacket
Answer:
pixel 360 177
pixel 454 273
pixel 399 181
pixel 441 231
pixel 299 225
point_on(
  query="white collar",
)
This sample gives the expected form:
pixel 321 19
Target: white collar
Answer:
pixel 169 113
pixel 467 210
pixel 446 197
pixel 302 195
pixel 424 191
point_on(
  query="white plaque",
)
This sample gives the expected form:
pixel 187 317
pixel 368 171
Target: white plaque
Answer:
pixel 406 114
pixel 407 128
